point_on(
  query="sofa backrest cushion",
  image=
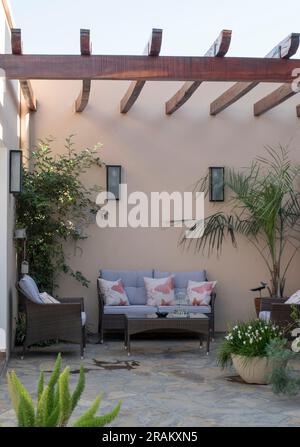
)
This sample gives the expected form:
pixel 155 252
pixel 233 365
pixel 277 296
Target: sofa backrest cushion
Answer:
pixel 30 289
pixel 182 278
pixel 133 282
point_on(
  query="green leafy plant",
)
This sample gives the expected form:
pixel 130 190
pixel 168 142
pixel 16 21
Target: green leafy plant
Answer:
pixel 55 207
pixel 283 379
pixel 55 401
pixel 249 339
pixel 265 208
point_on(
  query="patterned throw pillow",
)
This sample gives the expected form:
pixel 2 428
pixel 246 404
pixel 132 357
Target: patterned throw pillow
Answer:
pixel 48 299
pixel 199 293
pixel 113 292
pixel 160 292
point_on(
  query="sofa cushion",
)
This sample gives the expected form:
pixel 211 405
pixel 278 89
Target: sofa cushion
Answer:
pixel 160 291
pixel 130 310
pixel 83 318
pixel 30 289
pixel 182 279
pixel 133 282
pixel 113 292
pixel 199 293
pixel 186 308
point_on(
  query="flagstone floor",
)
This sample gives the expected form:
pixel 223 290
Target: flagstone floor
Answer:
pixel 164 383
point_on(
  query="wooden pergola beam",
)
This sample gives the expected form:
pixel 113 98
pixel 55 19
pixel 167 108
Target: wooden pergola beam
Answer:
pixel 272 100
pixel 85 50
pixel 152 49
pixel 218 49
pixel 284 50
pixel 16 48
pixel 145 68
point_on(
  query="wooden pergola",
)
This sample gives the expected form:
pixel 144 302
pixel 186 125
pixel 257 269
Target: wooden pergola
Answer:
pixel 247 73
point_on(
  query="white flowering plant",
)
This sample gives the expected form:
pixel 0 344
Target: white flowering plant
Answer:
pixel 248 339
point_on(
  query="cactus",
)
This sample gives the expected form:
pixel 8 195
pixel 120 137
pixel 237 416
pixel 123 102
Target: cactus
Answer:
pixel 55 402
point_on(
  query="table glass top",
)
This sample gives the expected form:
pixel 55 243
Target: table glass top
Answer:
pixel 169 316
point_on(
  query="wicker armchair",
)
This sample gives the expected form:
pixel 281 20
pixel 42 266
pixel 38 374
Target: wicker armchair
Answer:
pixel 280 312
pixel 53 321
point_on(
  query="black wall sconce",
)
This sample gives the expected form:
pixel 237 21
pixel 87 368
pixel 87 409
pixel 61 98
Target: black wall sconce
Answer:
pixel 216 184
pixel 113 180
pixel 15 171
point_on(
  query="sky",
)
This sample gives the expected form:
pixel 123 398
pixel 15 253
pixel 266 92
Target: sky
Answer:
pixel 124 26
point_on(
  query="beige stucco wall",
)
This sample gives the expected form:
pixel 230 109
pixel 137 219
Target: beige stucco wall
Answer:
pixel 158 153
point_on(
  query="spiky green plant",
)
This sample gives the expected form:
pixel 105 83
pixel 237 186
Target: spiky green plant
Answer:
pixel 55 401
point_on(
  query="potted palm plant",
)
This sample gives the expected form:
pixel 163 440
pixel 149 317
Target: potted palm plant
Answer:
pixel 265 208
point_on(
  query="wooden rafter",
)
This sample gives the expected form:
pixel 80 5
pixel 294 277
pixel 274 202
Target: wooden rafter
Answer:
pixel 152 49
pixel 218 49
pixel 16 48
pixel 85 50
pixel 143 68
pixel 284 50
pixel 274 98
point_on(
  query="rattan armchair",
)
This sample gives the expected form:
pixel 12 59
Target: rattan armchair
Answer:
pixel 280 313
pixel 53 321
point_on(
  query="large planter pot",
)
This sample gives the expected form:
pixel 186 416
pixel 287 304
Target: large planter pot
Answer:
pixel 253 369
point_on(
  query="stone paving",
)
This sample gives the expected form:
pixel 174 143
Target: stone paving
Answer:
pixel 164 383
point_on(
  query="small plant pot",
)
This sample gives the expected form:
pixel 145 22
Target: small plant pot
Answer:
pixel 253 369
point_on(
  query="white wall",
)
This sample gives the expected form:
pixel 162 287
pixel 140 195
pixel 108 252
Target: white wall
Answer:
pixel 9 139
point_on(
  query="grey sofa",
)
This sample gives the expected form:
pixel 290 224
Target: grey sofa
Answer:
pixel 111 318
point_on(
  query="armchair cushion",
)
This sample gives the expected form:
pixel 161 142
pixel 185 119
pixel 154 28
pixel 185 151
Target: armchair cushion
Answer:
pixel 294 299
pixel 30 289
pixel 264 315
pixel 48 299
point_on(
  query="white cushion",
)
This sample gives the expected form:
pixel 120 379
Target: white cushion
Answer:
pixel 48 299
pixel 264 315
pixel 30 289
pixel 294 299
pixel 83 318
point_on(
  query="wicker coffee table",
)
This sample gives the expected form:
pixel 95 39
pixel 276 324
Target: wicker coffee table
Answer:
pixel 196 323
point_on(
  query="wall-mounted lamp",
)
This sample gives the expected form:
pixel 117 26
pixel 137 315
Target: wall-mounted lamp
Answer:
pixel 216 184
pixel 15 172
pixel 113 180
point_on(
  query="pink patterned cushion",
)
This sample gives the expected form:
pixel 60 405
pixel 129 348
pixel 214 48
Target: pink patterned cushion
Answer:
pixel 160 292
pixel 199 293
pixel 113 292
